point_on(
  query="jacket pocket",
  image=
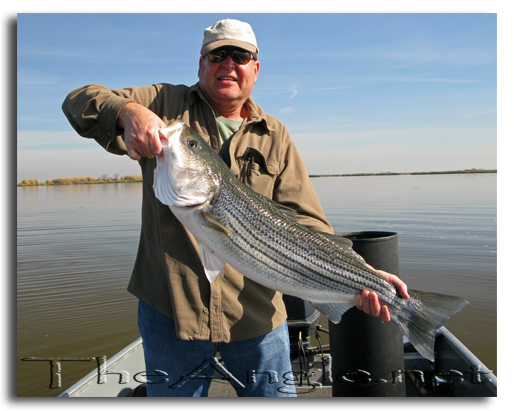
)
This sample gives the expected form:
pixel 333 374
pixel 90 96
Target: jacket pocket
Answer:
pixel 257 172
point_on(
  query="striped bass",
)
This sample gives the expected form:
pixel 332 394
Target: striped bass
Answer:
pixel 259 238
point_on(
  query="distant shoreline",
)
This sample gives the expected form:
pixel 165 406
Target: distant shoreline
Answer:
pixel 139 178
pixel 414 173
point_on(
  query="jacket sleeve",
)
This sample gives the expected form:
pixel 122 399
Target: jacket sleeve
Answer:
pixel 93 112
pixel 294 188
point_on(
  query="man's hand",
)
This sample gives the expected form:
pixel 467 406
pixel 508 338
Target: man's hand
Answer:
pixel 369 302
pixel 141 131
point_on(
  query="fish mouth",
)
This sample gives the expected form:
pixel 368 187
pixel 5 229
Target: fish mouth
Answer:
pixel 199 206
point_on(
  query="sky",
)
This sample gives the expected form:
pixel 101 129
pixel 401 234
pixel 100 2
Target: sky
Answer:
pixel 359 92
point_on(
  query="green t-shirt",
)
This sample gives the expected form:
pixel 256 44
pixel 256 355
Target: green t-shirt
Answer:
pixel 227 129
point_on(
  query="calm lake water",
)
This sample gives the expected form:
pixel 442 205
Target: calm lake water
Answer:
pixel 77 244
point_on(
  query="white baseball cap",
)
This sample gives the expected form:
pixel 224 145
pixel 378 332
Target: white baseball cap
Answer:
pixel 229 32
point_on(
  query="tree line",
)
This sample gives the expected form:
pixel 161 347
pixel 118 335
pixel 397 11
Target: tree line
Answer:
pixel 134 178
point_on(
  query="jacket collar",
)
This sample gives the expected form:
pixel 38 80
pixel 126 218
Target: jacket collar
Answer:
pixel 257 114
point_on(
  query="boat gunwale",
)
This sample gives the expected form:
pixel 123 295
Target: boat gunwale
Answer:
pixel 84 382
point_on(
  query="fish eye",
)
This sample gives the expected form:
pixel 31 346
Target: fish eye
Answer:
pixel 192 144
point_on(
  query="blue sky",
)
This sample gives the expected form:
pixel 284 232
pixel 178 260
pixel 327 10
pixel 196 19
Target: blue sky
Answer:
pixel 358 92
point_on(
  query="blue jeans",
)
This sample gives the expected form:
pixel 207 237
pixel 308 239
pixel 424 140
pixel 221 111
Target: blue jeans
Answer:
pixel 258 367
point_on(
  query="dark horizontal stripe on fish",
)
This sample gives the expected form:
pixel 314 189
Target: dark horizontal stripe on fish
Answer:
pixel 270 245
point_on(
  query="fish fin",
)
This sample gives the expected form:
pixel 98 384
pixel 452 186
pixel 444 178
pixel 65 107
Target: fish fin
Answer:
pixel 343 242
pixel 285 209
pixel 423 314
pixel 288 211
pixel 212 264
pixel 333 310
pixel 211 222
pixel 346 245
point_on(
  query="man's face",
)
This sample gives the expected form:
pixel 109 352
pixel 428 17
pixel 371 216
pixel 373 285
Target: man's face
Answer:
pixel 227 83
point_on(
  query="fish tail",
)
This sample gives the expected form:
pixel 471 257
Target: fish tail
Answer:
pixel 423 314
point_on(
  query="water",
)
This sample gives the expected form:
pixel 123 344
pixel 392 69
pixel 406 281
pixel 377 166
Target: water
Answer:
pixel 76 248
pixel 77 245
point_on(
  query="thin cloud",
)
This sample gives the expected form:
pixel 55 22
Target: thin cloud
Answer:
pixel 36 78
pixel 294 91
pixel 49 140
pixel 470 116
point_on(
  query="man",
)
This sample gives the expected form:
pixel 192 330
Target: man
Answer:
pixel 183 319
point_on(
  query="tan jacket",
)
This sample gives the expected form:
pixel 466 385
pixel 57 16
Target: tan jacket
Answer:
pixel 168 274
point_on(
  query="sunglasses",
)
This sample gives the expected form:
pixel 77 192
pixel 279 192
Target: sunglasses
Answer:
pixel 237 56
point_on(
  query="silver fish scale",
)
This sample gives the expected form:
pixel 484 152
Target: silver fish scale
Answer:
pixel 289 253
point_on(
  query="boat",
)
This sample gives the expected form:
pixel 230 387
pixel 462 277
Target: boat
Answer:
pixel 455 373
